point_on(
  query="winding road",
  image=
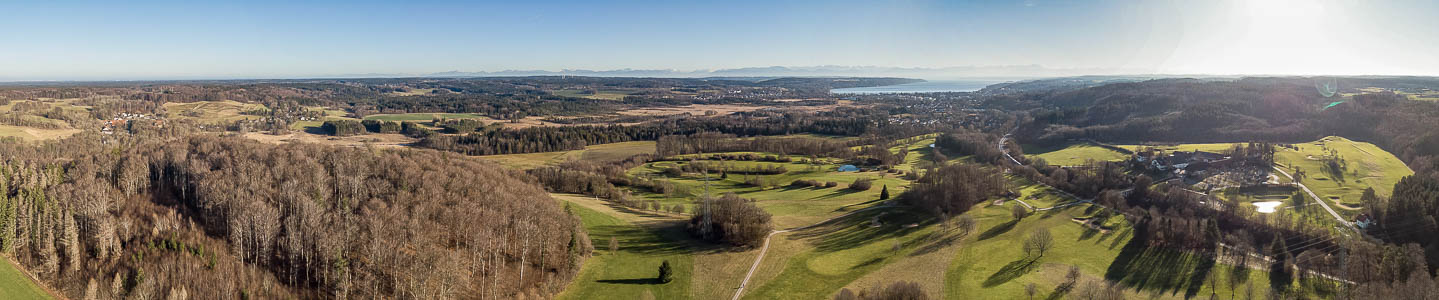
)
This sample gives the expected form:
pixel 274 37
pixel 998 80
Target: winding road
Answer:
pixel 1331 211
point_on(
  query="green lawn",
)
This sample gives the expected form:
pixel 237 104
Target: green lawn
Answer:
pixel 1035 194
pixel 840 253
pixel 1078 154
pixel 991 265
pixel 629 272
pixel 15 285
pixel 791 206
pixel 1367 167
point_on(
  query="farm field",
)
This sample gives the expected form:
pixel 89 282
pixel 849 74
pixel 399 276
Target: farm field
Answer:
pixel 600 95
pixel 212 111
pixel 35 134
pixel 614 151
pixel 15 285
pixel 423 117
pixel 1076 154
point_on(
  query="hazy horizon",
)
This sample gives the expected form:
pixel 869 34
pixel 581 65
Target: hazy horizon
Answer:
pixel 67 41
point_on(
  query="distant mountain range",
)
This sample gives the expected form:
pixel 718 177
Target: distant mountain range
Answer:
pixel 967 72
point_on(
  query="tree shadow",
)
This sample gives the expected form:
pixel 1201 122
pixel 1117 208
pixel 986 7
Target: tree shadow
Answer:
pixel 630 281
pixel 998 229
pixel 1159 269
pixel 847 206
pixel 1011 271
pixel 838 193
pixel 855 230
pixel 1126 233
pixel 941 243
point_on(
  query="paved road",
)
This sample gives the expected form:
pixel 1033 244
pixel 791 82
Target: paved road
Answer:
pixel 764 248
pixel 1317 199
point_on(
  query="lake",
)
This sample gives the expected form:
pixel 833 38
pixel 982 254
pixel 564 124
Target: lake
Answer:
pixel 921 87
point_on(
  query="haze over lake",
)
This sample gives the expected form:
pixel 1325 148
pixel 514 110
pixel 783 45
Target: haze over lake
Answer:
pixel 922 87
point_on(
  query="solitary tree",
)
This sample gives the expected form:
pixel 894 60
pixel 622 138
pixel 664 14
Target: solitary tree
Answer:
pixel 1018 211
pixel 1038 243
pixel 1031 289
pixel 884 193
pixel 614 245
pixel 665 273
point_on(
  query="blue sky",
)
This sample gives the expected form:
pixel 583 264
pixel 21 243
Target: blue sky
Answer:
pixel 77 40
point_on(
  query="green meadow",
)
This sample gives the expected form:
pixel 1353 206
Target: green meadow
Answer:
pixel 15 285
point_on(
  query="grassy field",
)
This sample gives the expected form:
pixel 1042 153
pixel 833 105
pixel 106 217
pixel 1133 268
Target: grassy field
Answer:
pixel 990 266
pixel 1212 147
pixel 423 117
pixel 600 95
pixel 815 263
pixel 1367 167
pixel 1035 194
pixel 631 270
pixel 212 111
pixel 875 247
pixel 791 206
pixel 15 285
pixel 1077 154
pixel 33 134
pixel 613 151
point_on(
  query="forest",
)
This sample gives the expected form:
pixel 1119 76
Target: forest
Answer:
pixel 215 218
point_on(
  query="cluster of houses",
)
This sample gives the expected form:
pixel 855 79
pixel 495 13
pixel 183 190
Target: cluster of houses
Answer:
pixel 123 119
pixel 1182 164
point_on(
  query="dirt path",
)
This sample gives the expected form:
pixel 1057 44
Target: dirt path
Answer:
pixel 765 246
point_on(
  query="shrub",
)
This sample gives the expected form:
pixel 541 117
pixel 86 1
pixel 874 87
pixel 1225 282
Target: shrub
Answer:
pixel 831 184
pixel 861 184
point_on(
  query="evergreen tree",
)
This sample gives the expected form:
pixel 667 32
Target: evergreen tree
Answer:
pixel 884 193
pixel 666 274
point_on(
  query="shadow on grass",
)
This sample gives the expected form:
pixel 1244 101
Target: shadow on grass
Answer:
pixel 630 281
pixel 1011 271
pixel 1124 234
pixel 945 241
pixel 998 229
pixel 1159 269
pixel 837 193
pixel 855 230
pixel 846 207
